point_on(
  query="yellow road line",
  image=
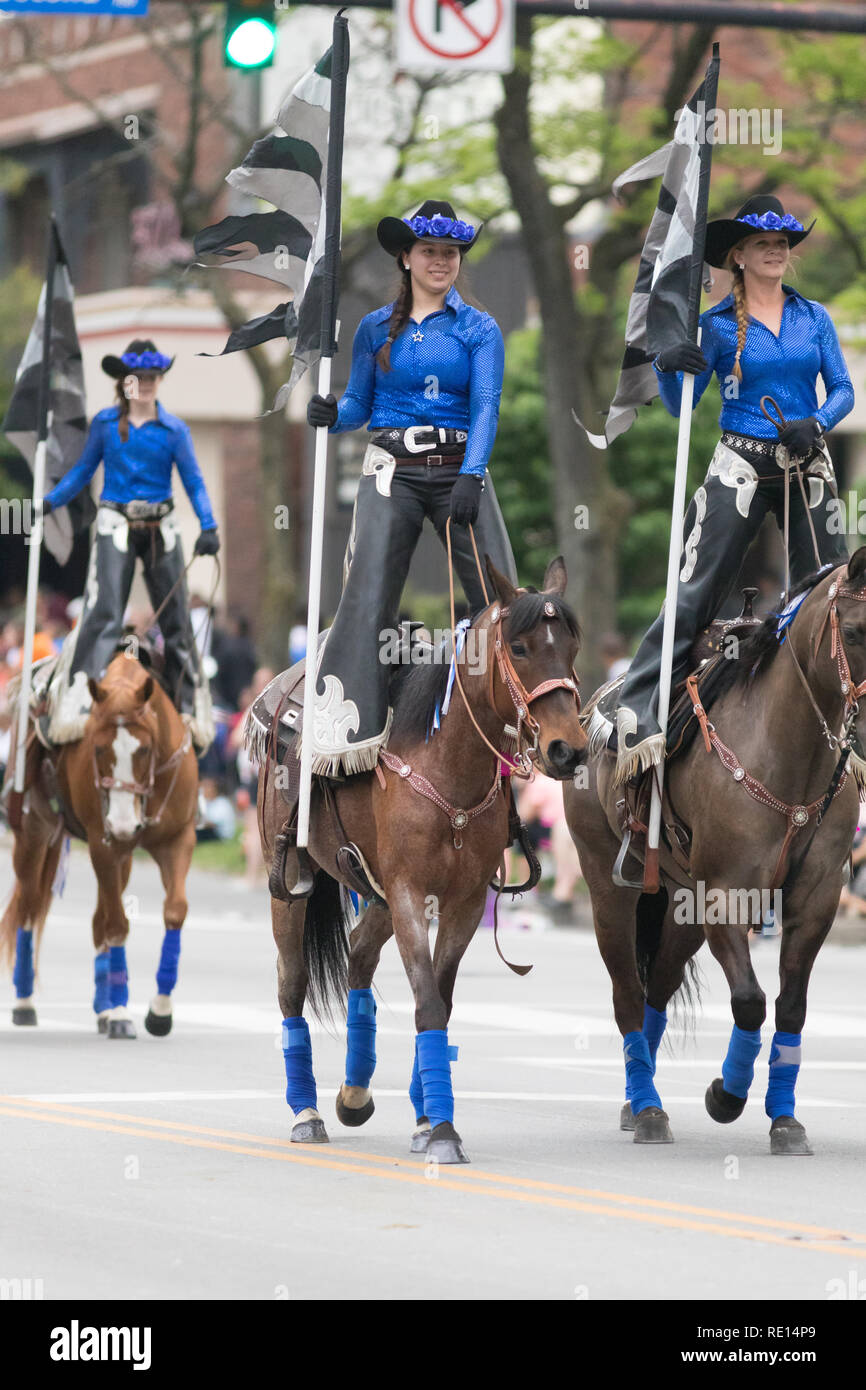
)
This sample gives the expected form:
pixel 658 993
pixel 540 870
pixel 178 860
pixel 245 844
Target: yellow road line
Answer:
pixel 509 1189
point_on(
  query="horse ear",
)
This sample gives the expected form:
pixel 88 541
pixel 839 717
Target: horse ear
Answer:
pixel 147 690
pixel 857 565
pixel 555 577
pixel 505 590
pixel 96 691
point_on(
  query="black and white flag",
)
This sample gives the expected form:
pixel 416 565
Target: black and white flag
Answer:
pixel 288 169
pixel 663 309
pixel 66 405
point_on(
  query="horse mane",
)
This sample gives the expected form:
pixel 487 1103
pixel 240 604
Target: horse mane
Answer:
pixel 759 649
pixel 417 690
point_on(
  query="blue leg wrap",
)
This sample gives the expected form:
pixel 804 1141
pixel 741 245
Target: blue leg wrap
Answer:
pixel 166 972
pixel 738 1068
pixel 784 1066
pixel 654 1024
pixel 298 1052
pixel 639 1073
pixel 118 979
pixel 416 1090
pixel 361 1038
pixel 22 975
pixel 102 992
pixel 434 1063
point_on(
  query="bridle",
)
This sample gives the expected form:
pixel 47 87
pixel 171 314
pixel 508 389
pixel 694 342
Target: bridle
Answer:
pixel 848 687
pixel 521 698
pixel 143 789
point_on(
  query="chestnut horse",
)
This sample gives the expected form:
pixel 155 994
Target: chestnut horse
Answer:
pixel 131 781
pixel 767 793
pixel 430 861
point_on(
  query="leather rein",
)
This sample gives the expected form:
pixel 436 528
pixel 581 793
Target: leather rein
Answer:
pixel 521 699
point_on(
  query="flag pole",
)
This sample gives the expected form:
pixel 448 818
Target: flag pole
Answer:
pixel 330 295
pixel 42 428
pixel 651 863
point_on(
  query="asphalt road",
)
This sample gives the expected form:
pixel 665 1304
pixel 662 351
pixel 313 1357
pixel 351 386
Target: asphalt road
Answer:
pixel 161 1168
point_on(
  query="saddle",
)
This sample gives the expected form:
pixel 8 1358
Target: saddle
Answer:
pixel 708 656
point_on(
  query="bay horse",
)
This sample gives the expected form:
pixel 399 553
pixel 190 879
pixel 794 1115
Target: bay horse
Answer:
pixel 131 781
pixel 767 793
pixel 430 861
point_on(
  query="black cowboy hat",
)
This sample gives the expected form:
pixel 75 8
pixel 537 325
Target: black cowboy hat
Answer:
pixel 432 220
pixel 763 213
pixel 145 356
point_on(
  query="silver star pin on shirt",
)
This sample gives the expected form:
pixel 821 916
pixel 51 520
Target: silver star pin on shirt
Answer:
pixel 417 336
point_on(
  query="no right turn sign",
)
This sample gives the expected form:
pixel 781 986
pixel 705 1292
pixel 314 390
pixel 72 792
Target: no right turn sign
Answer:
pixel 448 35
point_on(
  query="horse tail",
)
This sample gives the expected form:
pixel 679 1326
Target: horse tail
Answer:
pixel 28 906
pixel 326 945
pixel 650 916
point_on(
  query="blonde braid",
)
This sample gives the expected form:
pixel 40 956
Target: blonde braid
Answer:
pixel 738 290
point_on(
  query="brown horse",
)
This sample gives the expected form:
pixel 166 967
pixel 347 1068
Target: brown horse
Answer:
pixel 432 825
pixel 772 809
pixel 131 781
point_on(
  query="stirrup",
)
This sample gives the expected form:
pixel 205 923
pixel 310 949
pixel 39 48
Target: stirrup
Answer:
pixel 286 840
pixel 617 875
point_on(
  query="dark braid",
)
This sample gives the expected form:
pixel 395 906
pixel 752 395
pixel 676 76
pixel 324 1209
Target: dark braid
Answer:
pixel 123 400
pixel 399 318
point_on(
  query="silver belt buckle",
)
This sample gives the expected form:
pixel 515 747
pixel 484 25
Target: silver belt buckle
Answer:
pixel 410 442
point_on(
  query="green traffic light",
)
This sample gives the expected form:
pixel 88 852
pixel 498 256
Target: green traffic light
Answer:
pixel 251 44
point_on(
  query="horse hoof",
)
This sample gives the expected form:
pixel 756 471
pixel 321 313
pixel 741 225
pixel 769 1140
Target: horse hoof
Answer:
pixel 309 1128
pixel 721 1105
pixel 24 1017
pixel 626 1117
pixel 121 1028
pixel 353 1116
pixel 158 1024
pixel 651 1127
pixel 787 1136
pixel 445 1145
pixel 421 1138
pixel 102 1023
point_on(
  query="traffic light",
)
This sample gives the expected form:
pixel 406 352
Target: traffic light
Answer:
pixel 250 34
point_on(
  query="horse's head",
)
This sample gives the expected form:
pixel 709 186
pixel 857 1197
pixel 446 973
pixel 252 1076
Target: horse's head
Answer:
pixel 122 733
pixel 845 676
pixel 535 640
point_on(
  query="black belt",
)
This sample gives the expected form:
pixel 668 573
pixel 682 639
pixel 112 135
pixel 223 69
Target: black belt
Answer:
pixel 757 450
pixel 138 510
pixel 418 442
pixel 431 460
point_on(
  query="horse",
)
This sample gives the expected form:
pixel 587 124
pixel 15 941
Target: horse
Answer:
pixel 430 825
pixel 130 781
pixel 766 793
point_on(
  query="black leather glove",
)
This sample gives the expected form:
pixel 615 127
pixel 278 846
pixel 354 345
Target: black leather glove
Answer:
pixel 465 499
pixel 322 410
pixel 208 542
pixel 682 357
pixel 798 436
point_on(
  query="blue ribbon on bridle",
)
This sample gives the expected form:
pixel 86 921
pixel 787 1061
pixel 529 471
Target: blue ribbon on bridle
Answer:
pixel 459 639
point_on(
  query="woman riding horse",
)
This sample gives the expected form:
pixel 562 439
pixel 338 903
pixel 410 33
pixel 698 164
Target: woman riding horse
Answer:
pixel 426 377
pixel 138 443
pixel 762 338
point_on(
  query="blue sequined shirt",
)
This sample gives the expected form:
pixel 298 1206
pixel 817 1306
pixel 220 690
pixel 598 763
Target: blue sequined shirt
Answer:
pixel 445 371
pixel 784 367
pixel 140 467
